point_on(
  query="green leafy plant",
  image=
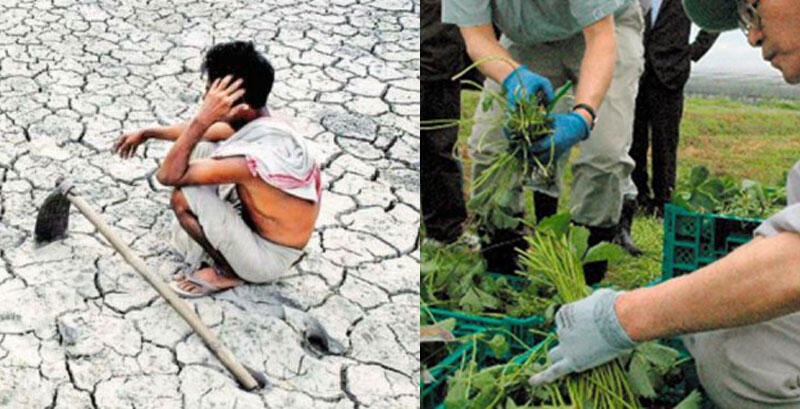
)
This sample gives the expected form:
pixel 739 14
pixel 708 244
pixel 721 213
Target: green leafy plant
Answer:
pixel 455 278
pixel 556 254
pixel 749 198
pixel 504 385
pixel 528 122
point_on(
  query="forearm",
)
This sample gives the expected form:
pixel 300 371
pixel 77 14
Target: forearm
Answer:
pixel 482 44
pixel 757 282
pixel 216 132
pixel 176 163
pixel 597 66
pixel 165 133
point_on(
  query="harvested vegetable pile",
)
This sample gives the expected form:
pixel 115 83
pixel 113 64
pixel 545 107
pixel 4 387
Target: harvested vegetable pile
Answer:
pixel 552 275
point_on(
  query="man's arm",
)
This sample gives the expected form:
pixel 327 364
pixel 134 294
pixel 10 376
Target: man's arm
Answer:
pixel 219 131
pixel 597 66
pixel 481 43
pixel 213 172
pixel 127 144
pixel 217 103
pixel 757 282
pixel 702 43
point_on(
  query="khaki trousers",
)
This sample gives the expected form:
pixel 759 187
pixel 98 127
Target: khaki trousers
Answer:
pixel 601 174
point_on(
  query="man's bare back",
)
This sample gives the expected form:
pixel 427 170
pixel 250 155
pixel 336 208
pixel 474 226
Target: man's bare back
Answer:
pixel 276 215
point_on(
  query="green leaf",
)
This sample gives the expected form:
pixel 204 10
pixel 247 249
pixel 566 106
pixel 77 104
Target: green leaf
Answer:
pixel 604 251
pixel 507 199
pixel 448 324
pixel 579 240
pixel 640 381
pixel 487 102
pixel 698 175
pixel 716 188
pixel 487 300
pixel 702 200
pixel 501 220
pixel 510 404
pixel 455 397
pixel 681 199
pixel 661 356
pixel 498 345
pixel 557 223
pixel 693 401
pixel 470 302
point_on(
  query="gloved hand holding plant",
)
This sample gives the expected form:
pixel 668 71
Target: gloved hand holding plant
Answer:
pixel 568 130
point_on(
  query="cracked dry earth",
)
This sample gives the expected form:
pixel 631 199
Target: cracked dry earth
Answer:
pixel 80 329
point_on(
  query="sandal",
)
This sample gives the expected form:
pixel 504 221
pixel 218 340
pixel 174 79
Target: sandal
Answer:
pixel 206 288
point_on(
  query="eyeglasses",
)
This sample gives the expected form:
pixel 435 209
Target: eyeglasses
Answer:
pixel 748 16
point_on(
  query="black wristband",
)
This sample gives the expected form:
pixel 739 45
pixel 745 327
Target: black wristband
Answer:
pixel 588 109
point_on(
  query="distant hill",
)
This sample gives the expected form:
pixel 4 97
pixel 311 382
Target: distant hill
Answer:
pixel 741 87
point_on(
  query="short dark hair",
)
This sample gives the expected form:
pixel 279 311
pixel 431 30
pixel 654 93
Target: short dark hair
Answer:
pixel 240 59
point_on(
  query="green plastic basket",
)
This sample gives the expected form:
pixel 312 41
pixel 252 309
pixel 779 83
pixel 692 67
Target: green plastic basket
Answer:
pixel 693 240
pixel 524 356
pixel 518 331
pixel 519 359
pixel 431 394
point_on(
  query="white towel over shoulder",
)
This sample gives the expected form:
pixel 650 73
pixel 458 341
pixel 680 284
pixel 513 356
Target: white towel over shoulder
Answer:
pixel 276 154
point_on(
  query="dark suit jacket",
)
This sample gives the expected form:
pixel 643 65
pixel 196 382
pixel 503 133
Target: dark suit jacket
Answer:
pixel 667 49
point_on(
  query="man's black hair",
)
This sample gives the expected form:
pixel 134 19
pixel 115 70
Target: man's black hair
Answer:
pixel 240 59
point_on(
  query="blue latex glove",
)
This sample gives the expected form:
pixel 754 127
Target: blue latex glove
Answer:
pixel 523 83
pixel 568 129
pixel 589 334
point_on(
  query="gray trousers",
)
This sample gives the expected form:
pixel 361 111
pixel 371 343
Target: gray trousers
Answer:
pixel 601 174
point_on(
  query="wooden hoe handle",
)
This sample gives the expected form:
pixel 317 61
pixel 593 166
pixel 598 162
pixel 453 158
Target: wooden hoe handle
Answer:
pixel 182 307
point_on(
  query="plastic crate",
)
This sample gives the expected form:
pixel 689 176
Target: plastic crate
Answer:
pixel 518 359
pixel 693 240
pixel 432 394
pixel 521 328
pixel 688 365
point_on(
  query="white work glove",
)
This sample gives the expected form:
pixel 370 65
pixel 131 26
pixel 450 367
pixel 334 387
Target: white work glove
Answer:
pixel 589 334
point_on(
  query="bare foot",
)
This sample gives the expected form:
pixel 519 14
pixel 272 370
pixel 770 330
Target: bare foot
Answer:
pixel 211 277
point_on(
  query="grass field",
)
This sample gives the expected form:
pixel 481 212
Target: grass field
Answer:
pixel 753 141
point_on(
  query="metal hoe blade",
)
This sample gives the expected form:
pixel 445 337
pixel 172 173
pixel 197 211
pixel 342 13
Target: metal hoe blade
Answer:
pixel 53 218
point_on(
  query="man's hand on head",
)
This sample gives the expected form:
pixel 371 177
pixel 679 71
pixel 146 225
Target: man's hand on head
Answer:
pixel 219 99
pixel 239 114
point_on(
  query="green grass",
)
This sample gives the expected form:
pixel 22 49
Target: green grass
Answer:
pixel 743 140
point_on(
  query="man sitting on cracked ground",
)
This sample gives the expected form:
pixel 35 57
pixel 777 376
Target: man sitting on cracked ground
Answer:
pixel 249 195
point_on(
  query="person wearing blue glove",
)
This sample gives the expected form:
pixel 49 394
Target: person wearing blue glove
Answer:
pixel 597 44
pixel 568 130
pixel 740 314
pixel 523 83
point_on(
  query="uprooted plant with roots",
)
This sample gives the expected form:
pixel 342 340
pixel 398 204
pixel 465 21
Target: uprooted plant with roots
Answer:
pixel 511 161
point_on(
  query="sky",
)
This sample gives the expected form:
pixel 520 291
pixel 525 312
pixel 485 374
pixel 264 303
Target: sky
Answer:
pixel 733 56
